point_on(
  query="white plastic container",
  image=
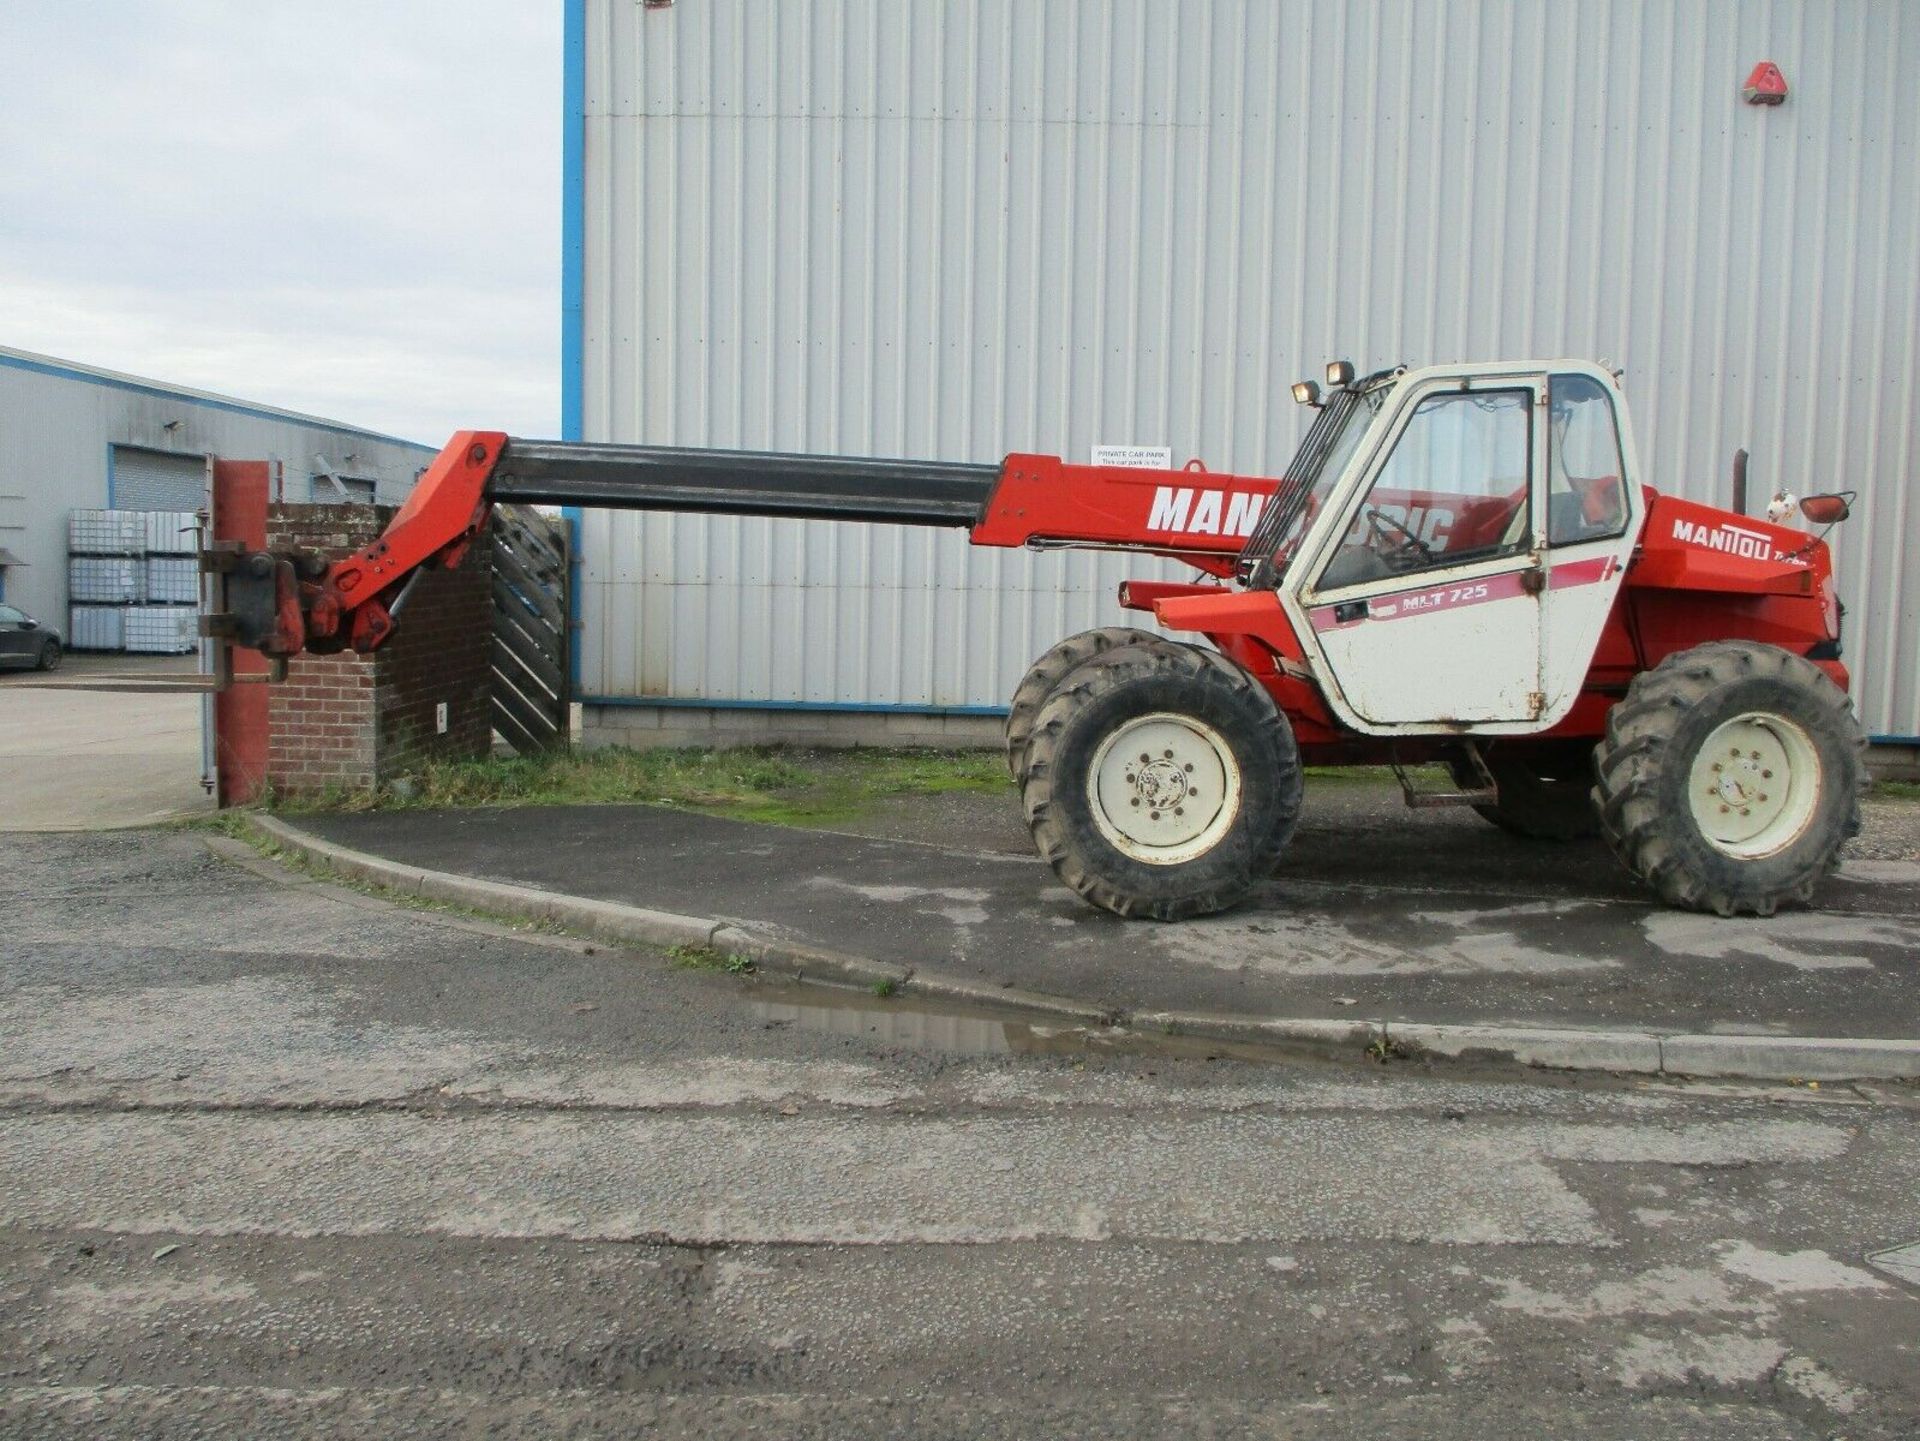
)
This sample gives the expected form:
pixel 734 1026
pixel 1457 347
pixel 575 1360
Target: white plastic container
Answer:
pixel 106 579
pixel 162 629
pixel 173 580
pixel 170 532
pixel 97 627
pixel 106 532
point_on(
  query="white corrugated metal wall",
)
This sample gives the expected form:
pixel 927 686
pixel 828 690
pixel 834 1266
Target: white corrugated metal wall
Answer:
pixel 952 228
pixel 74 437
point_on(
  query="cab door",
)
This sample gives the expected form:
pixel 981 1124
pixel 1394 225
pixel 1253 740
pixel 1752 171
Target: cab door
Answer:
pixel 1426 602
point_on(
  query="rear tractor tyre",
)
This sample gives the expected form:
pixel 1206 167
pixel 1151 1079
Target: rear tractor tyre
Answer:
pixel 1161 783
pixel 1054 666
pixel 1546 792
pixel 1730 777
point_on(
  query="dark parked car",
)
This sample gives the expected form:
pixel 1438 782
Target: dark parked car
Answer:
pixel 24 641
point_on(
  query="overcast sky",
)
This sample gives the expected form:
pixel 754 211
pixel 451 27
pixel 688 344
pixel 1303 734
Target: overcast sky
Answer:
pixel 347 207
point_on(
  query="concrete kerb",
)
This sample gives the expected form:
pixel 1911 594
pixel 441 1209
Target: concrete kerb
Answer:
pixel 606 920
pixel 1760 1058
pixel 1554 1049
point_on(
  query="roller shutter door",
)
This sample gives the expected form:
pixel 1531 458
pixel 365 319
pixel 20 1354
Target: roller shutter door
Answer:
pixel 157 480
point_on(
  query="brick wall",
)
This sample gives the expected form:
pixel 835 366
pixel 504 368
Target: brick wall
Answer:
pixel 354 722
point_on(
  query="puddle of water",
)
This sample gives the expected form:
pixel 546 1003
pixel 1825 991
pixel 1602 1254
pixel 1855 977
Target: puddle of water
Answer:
pixel 956 1030
pixel 903 1023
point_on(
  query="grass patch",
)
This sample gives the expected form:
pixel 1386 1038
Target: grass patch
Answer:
pixel 778 785
pixel 1895 791
pixel 229 823
pixel 706 958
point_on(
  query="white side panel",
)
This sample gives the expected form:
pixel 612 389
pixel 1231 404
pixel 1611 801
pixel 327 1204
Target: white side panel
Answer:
pixel 1444 652
pixel 959 227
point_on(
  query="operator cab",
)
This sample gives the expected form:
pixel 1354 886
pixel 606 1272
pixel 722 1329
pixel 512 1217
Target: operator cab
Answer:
pixel 1450 541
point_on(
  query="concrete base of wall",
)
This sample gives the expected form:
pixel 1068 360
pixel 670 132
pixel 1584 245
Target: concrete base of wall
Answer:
pixel 645 727
pixel 1894 761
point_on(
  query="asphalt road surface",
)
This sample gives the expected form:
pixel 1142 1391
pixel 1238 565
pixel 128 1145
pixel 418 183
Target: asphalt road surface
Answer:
pixel 1375 914
pixel 74 759
pixel 285 1160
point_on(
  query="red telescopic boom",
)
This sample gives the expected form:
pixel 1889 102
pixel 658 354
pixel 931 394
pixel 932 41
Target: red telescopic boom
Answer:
pixel 282 604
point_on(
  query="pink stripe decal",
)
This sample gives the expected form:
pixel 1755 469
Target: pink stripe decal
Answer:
pixel 1432 599
pixel 1580 572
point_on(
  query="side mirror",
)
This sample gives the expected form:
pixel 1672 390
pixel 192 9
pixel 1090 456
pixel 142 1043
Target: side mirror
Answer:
pixel 29 623
pixel 1826 509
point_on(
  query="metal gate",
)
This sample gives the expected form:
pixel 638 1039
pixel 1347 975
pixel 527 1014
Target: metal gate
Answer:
pixel 532 641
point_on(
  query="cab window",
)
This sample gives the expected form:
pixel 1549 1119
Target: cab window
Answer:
pixel 1455 490
pixel 1586 499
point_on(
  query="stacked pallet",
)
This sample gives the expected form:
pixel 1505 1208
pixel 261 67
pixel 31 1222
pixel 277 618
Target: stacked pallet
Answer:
pixel 133 581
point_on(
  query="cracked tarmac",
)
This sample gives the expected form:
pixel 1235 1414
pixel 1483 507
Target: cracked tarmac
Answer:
pixel 284 1159
pixel 1375 914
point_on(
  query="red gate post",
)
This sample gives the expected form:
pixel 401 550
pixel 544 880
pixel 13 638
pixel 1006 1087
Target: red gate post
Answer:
pixel 240 493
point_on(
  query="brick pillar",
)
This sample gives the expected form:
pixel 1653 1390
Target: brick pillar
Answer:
pixel 353 722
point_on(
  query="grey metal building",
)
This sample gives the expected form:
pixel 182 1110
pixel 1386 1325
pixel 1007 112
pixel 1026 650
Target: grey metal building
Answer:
pixel 955 228
pixel 73 437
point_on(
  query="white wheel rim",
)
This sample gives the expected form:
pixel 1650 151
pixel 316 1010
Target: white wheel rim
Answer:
pixel 1164 788
pixel 1754 785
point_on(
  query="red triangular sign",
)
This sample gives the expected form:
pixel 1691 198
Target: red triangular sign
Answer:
pixel 1766 85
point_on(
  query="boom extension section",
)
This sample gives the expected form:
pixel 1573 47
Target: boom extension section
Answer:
pixel 284 603
pixel 742 482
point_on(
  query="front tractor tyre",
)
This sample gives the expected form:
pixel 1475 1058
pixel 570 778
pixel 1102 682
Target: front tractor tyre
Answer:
pixel 1730 777
pixel 1161 783
pixel 1054 666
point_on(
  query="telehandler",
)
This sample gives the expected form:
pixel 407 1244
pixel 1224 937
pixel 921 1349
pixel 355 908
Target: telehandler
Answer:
pixel 1461 566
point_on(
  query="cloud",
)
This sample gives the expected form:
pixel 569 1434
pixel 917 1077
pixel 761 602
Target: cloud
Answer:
pixel 350 209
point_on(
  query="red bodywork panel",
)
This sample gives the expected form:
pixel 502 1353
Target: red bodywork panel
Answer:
pixel 1698 574
pixel 1250 626
pixel 1194 515
pixel 1703 574
pixel 352 604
